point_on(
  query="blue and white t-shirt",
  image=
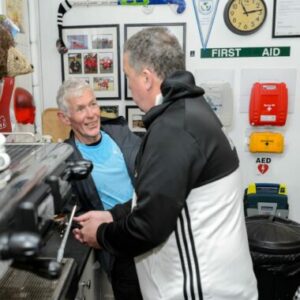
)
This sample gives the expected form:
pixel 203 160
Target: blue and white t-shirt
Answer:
pixel 109 172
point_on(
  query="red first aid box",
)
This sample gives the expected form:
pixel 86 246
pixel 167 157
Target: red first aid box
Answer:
pixel 268 104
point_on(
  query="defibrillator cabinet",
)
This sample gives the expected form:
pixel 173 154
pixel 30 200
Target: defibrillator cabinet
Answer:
pixel 268 104
pixel 266 199
pixel 270 142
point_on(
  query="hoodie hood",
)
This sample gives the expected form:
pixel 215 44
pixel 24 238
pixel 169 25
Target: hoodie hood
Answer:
pixel 179 85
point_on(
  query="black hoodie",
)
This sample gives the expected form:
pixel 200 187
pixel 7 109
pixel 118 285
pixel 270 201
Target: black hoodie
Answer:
pixel 184 148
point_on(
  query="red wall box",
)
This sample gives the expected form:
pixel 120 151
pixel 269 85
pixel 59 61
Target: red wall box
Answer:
pixel 268 104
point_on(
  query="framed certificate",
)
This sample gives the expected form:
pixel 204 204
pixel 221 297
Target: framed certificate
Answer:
pixel 286 19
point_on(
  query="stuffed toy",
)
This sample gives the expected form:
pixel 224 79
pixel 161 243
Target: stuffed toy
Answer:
pixel 12 61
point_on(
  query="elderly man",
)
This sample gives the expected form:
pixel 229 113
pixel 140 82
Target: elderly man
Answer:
pixel 112 149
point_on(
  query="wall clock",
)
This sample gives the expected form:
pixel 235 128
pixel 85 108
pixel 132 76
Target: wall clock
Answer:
pixel 245 16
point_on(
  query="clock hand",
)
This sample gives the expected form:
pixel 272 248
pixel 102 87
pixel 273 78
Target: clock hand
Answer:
pixel 244 9
pixel 252 11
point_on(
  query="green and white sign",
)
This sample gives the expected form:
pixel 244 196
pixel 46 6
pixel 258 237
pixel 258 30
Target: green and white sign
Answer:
pixel 245 52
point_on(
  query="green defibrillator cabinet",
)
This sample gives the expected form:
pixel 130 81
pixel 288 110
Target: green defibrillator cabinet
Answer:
pixel 266 199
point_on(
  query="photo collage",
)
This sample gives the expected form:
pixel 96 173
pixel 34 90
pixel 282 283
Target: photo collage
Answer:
pixel 93 55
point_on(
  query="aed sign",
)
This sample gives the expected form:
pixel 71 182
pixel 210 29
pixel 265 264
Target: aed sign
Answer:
pixel 263 165
pixel 245 52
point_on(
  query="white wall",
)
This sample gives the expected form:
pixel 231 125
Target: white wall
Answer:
pixel 284 168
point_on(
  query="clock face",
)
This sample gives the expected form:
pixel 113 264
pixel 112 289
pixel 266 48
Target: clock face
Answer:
pixel 245 16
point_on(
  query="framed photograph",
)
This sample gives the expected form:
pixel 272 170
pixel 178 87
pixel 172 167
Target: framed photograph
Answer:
pixel 178 29
pixel 134 117
pixel 286 19
pixel 94 55
pixel 109 111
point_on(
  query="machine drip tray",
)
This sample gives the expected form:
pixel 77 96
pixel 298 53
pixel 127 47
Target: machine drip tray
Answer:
pixel 20 284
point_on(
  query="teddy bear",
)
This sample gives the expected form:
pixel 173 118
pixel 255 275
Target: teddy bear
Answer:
pixel 12 61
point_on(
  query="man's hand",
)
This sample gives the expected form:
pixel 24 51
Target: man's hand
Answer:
pixel 90 222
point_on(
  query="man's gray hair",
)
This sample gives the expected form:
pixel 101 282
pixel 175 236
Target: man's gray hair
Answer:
pixel 155 48
pixel 72 87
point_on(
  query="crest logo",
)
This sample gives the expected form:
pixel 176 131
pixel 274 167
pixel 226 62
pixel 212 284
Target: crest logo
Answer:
pixel 205 6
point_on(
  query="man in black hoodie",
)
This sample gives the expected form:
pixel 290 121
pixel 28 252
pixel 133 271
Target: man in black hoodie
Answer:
pixel 186 226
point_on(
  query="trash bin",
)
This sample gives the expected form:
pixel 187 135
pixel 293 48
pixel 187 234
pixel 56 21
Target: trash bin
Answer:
pixel 275 250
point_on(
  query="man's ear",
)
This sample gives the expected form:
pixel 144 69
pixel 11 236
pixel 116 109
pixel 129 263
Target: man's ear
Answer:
pixel 148 79
pixel 63 117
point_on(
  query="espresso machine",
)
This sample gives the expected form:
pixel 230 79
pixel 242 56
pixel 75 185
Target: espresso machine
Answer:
pixel 35 190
